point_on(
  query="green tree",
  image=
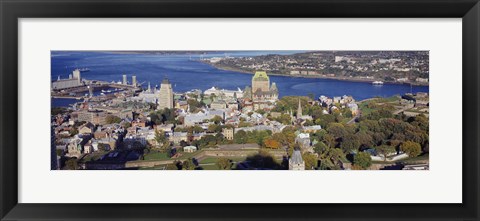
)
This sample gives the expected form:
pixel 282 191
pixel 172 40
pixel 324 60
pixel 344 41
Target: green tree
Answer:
pixel 59 152
pixel 240 137
pixel 324 120
pixel 223 164
pixel 385 150
pixel 126 125
pixel 112 119
pixel 101 147
pixel 188 164
pixel 244 124
pixel 284 119
pixel 216 119
pixel 71 164
pixel 260 111
pixel 412 149
pixel 171 167
pixel 214 128
pixel 311 161
pixel 337 130
pixel 363 160
pixel 350 142
pixel 160 137
pixel 320 147
pixel 197 129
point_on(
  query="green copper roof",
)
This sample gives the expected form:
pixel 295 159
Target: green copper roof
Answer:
pixel 260 76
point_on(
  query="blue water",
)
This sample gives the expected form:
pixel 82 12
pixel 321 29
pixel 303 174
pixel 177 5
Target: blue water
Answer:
pixel 186 73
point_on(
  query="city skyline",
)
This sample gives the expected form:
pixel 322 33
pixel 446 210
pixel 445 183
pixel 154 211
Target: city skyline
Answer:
pixel 109 124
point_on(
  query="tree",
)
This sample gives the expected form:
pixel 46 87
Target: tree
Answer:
pixel 160 137
pixel 271 143
pixel 385 150
pixel 412 149
pixel 223 164
pixel 350 142
pixel 183 143
pixel 240 137
pixel 197 129
pixel 71 164
pixel 284 119
pixel 126 125
pixel 214 128
pixel 244 124
pixel 324 120
pixel 363 160
pixel 330 159
pixel 59 152
pixel 216 119
pixel 213 97
pixel 188 164
pixel 311 161
pixel 260 111
pixel 337 130
pixel 193 105
pixel 111 119
pixel 171 167
pixel 320 147
pixel 73 132
pixel 101 147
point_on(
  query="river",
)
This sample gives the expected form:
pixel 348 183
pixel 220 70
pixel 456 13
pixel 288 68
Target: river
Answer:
pixel 187 73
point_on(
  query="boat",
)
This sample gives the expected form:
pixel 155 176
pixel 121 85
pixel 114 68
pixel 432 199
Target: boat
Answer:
pixel 84 69
pixel 377 83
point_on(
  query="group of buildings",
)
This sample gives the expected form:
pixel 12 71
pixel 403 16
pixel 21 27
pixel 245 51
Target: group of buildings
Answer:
pixel 123 120
pixel 389 66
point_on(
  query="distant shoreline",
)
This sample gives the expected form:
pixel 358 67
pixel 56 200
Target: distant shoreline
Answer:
pixel 309 76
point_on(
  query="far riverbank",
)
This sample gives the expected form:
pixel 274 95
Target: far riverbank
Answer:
pixel 226 68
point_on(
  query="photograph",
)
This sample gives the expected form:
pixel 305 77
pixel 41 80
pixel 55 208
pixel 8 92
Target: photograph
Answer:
pixel 239 110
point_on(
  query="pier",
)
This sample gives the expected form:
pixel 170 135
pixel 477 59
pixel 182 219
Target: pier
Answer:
pixel 79 91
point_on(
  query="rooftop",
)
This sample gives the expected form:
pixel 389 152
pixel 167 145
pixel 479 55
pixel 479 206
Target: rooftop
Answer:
pixel 260 76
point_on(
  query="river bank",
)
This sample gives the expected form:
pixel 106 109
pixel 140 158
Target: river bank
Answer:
pixel 226 68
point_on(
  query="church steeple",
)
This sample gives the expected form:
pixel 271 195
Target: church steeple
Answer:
pixel 299 110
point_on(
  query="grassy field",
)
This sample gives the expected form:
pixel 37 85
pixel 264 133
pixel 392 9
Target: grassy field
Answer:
pixel 363 106
pixel 156 156
pixel 214 160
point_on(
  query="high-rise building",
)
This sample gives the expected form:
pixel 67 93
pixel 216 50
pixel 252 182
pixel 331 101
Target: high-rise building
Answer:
pixel 77 75
pixel 124 79
pixel 165 95
pixel 134 80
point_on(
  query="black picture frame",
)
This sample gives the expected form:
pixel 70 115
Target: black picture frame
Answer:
pixel 11 11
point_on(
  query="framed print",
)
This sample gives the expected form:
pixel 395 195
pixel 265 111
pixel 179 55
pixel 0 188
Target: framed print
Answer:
pixel 239 110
